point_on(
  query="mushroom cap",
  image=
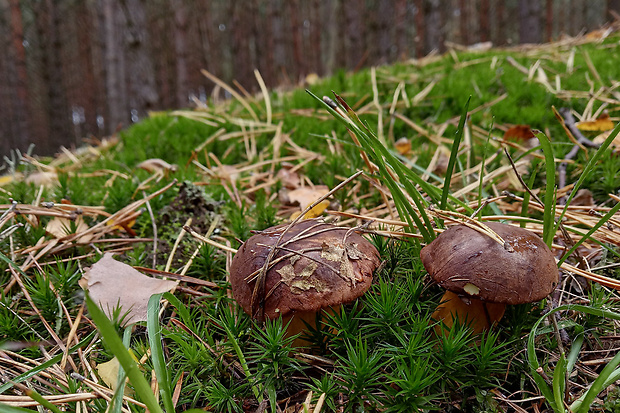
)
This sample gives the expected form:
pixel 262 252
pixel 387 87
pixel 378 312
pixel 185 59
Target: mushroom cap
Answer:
pixel 319 265
pixel 466 262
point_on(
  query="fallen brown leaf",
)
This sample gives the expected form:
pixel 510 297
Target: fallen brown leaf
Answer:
pixel 156 165
pixel 290 179
pixel 304 196
pixel 519 133
pixel 113 284
pixel 61 227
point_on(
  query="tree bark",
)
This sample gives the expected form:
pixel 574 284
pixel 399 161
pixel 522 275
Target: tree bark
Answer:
pixel 354 31
pixel 484 21
pixel 613 9
pixel 464 21
pixel 529 21
pixel 21 84
pixel 433 24
pixel 316 29
pixel 55 109
pixel 501 27
pixel 400 29
pixel 140 74
pixel 180 48
pixel 118 112
pixel 420 29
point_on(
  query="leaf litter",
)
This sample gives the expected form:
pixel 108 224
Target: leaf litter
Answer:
pixel 109 280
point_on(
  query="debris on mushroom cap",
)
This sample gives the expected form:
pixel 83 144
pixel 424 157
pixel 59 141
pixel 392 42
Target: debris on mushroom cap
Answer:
pixel 317 265
pixel 469 263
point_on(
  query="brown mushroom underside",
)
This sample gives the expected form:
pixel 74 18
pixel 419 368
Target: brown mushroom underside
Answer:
pixel 469 263
pixel 323 266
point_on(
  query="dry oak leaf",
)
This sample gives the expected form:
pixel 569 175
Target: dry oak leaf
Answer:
pixel 61 227
pixel 615 144
pixel 519 133
pixel 42 178
pixel 156 165
pixel 306 196
pixel 113 284
pixel 290 179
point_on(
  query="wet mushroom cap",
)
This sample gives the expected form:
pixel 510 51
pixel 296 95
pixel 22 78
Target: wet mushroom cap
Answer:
pixel 318 265
pixel 468 263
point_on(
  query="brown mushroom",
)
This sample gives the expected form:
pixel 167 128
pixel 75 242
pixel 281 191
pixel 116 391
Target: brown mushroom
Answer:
pixel 315 266
pixel 481 276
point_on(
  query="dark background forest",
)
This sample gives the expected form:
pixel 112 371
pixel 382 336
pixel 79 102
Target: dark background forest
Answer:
pixel 71 69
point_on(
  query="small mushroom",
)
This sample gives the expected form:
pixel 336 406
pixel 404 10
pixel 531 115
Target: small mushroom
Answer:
pixel 315 266
pixel 481 276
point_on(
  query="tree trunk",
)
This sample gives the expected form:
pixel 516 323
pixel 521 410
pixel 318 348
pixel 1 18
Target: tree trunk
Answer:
pixel 316 29
pixel 140 72
pixel 384 24
pixel 613 9
pixel 433 25
pixel 464 21
pixel 88 93
pixel 118 112
pixel 500 37
pixel 484 21
pixel 354 32
pixel 420 29
pixel 529 21
pixel 400 29
pixel 243 69
pixel 56 119
pixel 180 49
pixel 19 55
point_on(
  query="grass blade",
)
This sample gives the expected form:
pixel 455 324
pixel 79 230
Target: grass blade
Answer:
pixel 559 383
pixel 384 159
pixel 157 352
pixel 42 401
pixel 116 346
pixel 534 365
pixel 117 400
pixel 549 213
pixel 453 155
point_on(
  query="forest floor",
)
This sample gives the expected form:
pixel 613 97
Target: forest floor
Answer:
pixel 174 196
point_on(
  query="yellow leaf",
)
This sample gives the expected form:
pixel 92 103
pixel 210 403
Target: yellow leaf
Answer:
pixel 317 210
pixel 603 123
pixel 111 223
pixel 306 196
pixel 6 179
pixel 108 372
pixel 403 146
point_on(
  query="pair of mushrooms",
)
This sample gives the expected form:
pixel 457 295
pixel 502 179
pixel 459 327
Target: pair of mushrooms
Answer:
pixel 317 266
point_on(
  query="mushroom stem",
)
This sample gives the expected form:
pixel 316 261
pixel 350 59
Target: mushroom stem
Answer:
pixel 298 324
pixel 479 315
